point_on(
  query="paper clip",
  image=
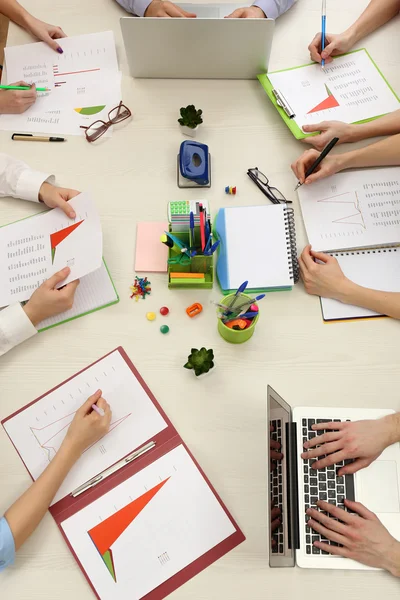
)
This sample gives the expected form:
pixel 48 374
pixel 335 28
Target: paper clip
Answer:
pixel 283 103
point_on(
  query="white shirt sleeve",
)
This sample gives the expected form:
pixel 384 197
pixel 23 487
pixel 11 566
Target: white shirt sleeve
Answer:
pixel 15 327
pixel 274 8
pixel 19 181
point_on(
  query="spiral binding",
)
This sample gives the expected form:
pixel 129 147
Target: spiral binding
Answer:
pixel 369 251
pixel 290 229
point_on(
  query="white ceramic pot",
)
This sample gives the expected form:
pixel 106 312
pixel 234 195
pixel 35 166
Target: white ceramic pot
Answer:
pixel 188 131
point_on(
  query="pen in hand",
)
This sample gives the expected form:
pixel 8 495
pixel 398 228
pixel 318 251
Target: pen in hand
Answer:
pixel 320 158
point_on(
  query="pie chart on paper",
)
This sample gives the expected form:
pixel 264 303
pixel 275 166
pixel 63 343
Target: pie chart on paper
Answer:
pixel 90 110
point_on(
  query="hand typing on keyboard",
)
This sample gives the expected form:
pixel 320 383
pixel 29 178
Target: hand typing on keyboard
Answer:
pixel 358 535
pixel 359 441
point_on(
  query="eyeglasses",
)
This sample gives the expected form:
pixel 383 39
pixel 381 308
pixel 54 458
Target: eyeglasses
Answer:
pixel 98 128
pixel 262 182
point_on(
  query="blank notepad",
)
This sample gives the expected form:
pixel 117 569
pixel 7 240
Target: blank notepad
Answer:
pixel 255 247
pixel 95 291
pixel 375 269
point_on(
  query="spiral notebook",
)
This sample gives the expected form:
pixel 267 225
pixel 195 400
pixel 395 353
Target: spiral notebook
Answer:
pixel 258 245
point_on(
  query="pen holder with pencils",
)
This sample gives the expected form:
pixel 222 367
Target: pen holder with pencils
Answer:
pixel 187 273
pixel 228 332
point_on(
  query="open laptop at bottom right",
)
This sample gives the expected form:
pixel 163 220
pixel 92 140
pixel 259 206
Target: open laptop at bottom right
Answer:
pixel 294 486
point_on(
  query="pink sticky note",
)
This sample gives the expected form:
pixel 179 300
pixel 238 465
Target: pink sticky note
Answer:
pixel 151 253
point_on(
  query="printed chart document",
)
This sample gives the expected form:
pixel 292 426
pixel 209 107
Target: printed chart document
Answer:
pixel 354 209
pixel 33 249
pixel 39 430
pixel 84 83
pixel 350 88
pixel 136 510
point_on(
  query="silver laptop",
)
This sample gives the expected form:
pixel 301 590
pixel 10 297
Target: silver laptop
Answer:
pixel 208 47
pixel 293 485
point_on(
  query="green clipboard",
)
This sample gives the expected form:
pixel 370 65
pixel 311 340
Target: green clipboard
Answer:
pixel 291 124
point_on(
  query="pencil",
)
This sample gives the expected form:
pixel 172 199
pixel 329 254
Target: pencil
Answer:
pixel 23 87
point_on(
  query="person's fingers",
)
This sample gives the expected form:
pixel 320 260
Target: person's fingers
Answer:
pixel 276 455
pixel 58 277
pixel 318 174
pixel 357 465
pixel 327 533
pixel 315 127
pixel 317 440
pixel 314 48
pixel 302 267
pixel 275 512
pixel 237 14
pixel 330 424
pixel 328 522
pixel 61 202
pixel 335 550
pixel 307 258
pixel 87 406
pixel 331 460
pixel 54 45
pixel 174 11
pixel 187 14
pixel 102 403
pixel 70 289
pixel 334 511
pixel 274 444
pixel 361 510
pixel 275 524
pixel 321 256
pixel 322 450
pixel 58 33
pixel 305 162
pixel 68 194
pixel 328 50
pixel 271 428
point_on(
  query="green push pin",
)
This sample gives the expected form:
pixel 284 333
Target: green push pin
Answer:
pixel 164 328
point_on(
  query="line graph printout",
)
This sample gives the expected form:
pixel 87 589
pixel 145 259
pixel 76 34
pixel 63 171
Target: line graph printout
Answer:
pixel 349 89
pixel 38 431
pixel 148 528
pixel 356 209
pixel 26 249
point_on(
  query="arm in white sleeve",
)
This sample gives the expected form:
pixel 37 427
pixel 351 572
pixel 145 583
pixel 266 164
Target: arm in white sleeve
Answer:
pixel 15 327
pixel 136 7
pixel 274 8
pixel 19 181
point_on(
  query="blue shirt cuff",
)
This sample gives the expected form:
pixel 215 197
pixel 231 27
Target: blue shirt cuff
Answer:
pixel 7 545
pixel 136 7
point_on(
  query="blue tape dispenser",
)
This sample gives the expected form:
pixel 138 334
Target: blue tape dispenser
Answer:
pixel 194 165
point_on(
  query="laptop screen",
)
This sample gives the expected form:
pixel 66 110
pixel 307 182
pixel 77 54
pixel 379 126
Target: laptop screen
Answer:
pixel 281 527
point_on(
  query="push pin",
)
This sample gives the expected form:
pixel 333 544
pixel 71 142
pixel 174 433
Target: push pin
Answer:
pixel 230 190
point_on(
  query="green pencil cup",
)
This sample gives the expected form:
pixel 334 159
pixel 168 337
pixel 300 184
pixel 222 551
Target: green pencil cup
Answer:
pixel 232 335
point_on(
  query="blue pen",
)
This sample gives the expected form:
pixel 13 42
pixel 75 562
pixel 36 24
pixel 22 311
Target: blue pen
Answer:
pixel 191 217
pixel 323 30
pixel 208 245
pixel 207 226
pixel 240 290
pixel 249 315
pixel 212 249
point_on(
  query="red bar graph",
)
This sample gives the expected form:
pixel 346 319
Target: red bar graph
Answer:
pixel 329 102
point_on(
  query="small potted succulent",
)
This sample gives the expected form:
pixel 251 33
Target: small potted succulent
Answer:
pixel 190 120
pixel 201 361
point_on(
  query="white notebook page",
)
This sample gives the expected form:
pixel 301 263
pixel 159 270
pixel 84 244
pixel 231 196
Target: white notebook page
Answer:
pixel 355 209
pixel 256 246
pixel 94 291
pixel 349 89
pixel 375 269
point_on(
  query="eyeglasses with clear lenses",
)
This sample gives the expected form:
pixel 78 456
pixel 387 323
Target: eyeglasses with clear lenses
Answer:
pixel 98 128
pixel 262 182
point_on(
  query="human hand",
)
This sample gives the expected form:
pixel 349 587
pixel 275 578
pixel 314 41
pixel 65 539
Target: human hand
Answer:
pixel 363 441
pixel 248 12
pixel 275 521
pixel 87 427
pixel 17 101
pixel 334 44
pixel 54 197
pixel 274 447
pixel 362 536
pixel 48 301
pixel 326 279
pixel 45 32
pixel 329 166
pixel 161 8
pixel 328 130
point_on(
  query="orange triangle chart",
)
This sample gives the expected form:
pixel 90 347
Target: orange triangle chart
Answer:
pixel 59 236
pixel 108 531
pixel 329 102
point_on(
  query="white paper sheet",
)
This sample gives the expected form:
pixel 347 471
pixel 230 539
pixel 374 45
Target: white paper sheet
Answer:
pixel 27 258
pixel 84 83
pixel 349 89
pixel 38 431
pixel 375 269
pixel 355 209
pixel 181 522
pixel 94 291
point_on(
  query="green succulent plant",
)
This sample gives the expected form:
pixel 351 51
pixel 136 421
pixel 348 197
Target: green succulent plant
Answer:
pixel 200 360
pixel 190 116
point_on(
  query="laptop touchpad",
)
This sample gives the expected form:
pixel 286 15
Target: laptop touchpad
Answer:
pixel 378 487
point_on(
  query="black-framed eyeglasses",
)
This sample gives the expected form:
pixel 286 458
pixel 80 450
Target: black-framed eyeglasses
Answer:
pixel 98 128
pixel 262 182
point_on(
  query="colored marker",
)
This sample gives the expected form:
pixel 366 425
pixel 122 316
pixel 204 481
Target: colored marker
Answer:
pixel 23 87
pixel 99 410
pixel 323 30
pixel 191 217
pixel 202 228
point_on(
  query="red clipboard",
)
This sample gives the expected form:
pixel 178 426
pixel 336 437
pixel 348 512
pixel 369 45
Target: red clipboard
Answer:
pixel 165 441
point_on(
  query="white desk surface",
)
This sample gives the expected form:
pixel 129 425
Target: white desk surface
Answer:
pixel 222 418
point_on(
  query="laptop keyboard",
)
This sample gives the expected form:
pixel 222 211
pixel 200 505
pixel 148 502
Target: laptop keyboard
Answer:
pixel 276 483
pixel 323 484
